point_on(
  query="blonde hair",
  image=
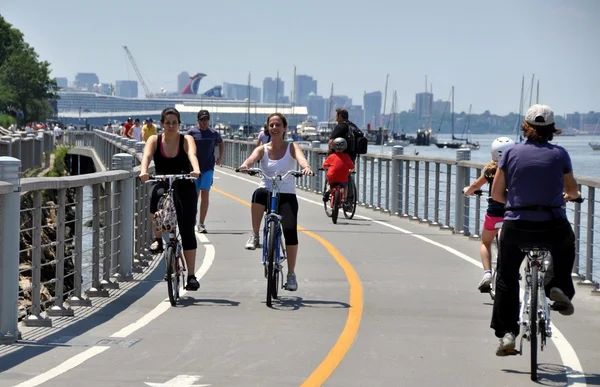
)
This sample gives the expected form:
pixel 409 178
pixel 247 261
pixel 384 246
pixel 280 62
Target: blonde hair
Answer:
pixel 489 171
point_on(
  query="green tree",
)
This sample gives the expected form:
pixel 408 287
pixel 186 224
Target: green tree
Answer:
pixel 25 83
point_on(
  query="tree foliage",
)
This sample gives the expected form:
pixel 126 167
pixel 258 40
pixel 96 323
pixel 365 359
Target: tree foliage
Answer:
pixel 25 83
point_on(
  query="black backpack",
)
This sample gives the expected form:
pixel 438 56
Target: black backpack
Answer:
pixel 356 139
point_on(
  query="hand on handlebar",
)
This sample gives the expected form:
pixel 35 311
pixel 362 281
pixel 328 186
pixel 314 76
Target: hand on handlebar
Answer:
pixel 144 177
pixel 307 171
pixel 577 199
pixel 195 174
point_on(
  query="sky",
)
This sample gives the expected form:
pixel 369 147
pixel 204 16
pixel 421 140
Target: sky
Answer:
pixel 482 47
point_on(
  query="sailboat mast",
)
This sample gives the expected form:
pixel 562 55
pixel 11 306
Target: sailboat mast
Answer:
pixel 248 118
pixel 387 77
pixel 537 95
pixel 452 112
pixel 277 92
pixel 294 93
pixel 531 90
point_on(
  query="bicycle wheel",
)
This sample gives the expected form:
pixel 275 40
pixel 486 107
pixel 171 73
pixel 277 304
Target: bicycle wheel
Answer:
pixel 336 206
pixel 350 208
pixel 172 276
pixel 271 281
pixel 326 205
pixel 533 306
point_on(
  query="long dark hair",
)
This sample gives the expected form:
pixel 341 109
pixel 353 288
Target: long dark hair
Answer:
pixel 539 133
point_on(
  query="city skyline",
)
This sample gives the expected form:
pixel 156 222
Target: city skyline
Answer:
pixel 483 49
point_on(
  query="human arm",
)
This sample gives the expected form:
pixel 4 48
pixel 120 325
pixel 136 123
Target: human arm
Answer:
pixel 499 187
pixel 298 154
pixel 327 163
pixel 190 149
pixel 221 152
pixel 149 150
pixel 570 189
pixel 477 184
pixel 256 155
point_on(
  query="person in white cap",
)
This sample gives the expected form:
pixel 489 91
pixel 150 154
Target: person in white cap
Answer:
pixel 533 179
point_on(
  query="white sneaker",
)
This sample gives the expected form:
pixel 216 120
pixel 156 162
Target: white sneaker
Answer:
pixel 253 242
pixel 201 229
pixel 485 286
pixel 507 345
pixel 291 283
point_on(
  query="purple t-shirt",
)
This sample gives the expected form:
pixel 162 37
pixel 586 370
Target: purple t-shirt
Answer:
pixel 534 175
pixel 263 137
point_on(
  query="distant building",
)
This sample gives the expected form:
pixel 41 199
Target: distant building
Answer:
pixel 304 86
pixel 423 104
pixel 273 90
pixel 372 106
pixel 356 114
pixel 240 92
pixel 62 82
pixel 86 81
pixel 440 106
pixel 182 80
pixel 317 107
pixel 126 89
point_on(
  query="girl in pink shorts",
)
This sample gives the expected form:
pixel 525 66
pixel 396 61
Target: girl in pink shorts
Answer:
pixel 495 210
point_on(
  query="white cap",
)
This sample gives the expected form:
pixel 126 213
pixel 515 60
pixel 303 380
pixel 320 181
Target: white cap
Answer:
pixel 538 110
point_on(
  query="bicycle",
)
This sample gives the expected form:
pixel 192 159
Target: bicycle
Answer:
pixel 349 209
pixel 174 260
pixel 534 310
pixel 274 252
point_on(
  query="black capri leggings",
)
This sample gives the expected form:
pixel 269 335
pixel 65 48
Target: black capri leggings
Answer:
pixel 288 209
pixel 186 202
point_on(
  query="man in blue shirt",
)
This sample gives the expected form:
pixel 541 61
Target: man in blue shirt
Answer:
pixel 206 139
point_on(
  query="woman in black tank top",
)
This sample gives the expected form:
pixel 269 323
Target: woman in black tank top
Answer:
pixel 175 153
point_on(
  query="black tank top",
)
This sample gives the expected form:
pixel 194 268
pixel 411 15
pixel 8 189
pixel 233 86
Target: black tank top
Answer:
pixel 171 165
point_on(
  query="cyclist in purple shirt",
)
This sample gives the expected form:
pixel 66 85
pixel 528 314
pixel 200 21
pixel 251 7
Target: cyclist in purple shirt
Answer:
pixel 534 179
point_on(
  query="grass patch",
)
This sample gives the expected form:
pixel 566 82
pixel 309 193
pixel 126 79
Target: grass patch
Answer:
pixel 59 168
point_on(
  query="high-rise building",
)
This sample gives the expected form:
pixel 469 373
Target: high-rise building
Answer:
pixel 273 90
pixel 62 82
pixel 86 81
pixel 126 89
pixel 240 92
pixel 440 106
pixel 182 80
pixel 304 86
pixel 423 104
pixel 356 114
pixel 317 107
pixel 372 108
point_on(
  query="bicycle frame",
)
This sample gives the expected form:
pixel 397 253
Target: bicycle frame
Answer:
pixel 541 259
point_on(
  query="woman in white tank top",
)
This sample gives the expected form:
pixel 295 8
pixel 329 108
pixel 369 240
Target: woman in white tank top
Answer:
pixel 278 157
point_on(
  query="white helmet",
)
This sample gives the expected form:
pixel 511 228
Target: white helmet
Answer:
pixel 501 145
pixel 340 144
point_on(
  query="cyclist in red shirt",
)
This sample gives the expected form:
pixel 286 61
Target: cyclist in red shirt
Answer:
pixel 338 165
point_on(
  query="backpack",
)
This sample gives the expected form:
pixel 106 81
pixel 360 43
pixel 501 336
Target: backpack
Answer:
pixel 356 139
pixel 165 217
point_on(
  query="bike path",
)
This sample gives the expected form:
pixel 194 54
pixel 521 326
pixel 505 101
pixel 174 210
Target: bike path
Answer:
pixel 423 321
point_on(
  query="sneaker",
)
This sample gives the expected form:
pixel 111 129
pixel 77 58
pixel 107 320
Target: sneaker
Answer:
pixel 507 345
pixel 157 246
pixel 325 196
pixel 291 283
pixel 253 242
pixel 562 304
pixel 192 283
pixel 201 229
pixel 485 286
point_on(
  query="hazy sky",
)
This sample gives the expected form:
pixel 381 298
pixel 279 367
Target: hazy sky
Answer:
pixel 482 47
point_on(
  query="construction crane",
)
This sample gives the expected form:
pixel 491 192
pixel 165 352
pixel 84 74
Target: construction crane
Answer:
pixel 137 72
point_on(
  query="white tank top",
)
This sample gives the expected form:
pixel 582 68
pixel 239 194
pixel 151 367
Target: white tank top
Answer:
pixel 281 166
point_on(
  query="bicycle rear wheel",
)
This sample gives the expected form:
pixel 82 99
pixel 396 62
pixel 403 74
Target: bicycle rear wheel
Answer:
pixel 336 206
pixel 350 208
pixel 271 280
pixel 172 275
pixel 533 307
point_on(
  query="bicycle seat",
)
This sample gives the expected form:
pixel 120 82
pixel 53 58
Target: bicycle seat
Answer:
pixel 528 247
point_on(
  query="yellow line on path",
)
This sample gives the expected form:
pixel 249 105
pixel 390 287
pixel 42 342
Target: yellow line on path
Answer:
pixel 346 338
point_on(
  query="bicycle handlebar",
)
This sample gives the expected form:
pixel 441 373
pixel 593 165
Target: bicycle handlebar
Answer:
pixel 577 200
pixel 185 176
pixel 258 171
pixel 323 169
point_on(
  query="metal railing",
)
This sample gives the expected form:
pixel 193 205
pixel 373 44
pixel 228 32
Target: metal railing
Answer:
pixel 32 149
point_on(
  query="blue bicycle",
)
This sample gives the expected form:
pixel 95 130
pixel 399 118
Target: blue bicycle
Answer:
pixel 273 247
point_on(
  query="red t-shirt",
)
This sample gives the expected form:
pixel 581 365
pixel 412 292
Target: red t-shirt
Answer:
pixel 339 165
pixel 127 130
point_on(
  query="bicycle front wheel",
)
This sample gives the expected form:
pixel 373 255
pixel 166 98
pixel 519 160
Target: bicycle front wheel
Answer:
pixel 271 280
pixel 172 275
pixel 326 205
pixel 533 319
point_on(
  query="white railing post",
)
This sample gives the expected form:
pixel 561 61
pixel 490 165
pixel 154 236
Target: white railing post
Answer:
pixel 459 198
pixel 397 150
pixel 124 161
pixel 10 169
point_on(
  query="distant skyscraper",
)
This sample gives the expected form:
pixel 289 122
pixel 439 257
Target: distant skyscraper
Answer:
pixel 240 92
pixel 440 106
pixel 62 82
pixel 372 106
pixel 304 86
pixel 86 81
pixel 356 114
pixel 127 89
pixel 182 80
pixel 423 104
pixel 317 107
pixel 273 92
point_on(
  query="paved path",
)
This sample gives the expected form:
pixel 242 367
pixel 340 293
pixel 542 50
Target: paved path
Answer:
pixel 382 301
